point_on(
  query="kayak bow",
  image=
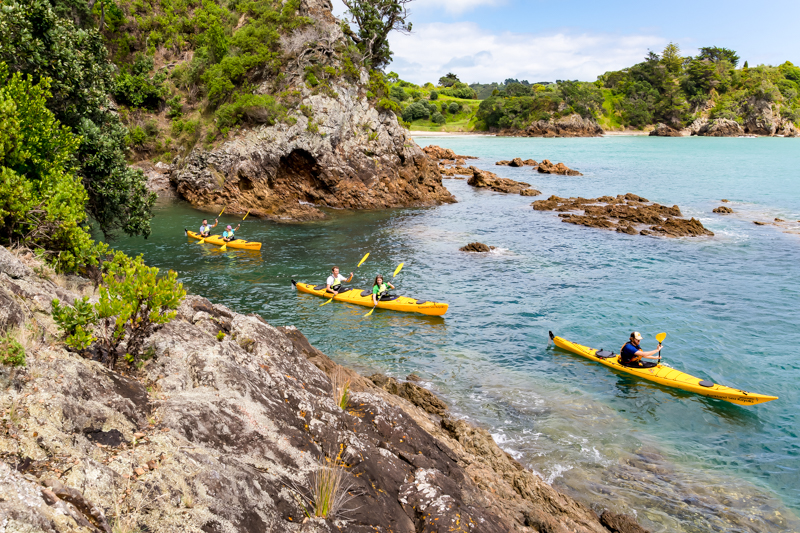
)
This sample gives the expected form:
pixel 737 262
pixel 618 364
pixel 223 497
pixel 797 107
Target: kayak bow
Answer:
pixel 664 375
pixel 235 243
pixel 358 297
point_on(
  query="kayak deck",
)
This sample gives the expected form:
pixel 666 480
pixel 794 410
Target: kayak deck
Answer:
pixel 235 243
pixel 667 376
pixel 358 297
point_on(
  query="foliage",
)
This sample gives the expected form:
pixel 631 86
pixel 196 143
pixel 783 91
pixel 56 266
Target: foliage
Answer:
pixel 716 54
pixel 415 111
pixel 12 352
pixel 460 90
pixel 375 19
pixel 453 108
pixel 399 94
pixel 448 80
pixel 39 43
pixel 250 108
pixel 133 298
pixel 134 88
pixel 434 95
pixel 41 199
pixel 438 118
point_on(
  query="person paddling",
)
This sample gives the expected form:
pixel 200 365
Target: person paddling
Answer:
pixel 228 234
pixel 205 229
pixel 380 289
pixel 334 281
pixel 631 353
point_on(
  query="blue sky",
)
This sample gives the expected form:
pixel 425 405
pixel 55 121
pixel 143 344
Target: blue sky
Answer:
pixel 537 40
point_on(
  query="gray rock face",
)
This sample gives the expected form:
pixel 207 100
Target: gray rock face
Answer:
pixel 720 127
pixel 570 126
pixel 224 435
pixel 662 130
pixel 12 266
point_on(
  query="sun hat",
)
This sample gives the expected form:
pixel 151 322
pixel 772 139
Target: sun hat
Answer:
pixel 636 335
pixel 230 227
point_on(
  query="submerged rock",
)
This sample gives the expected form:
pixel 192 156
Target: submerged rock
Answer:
pixel 624 213
pixel 723 210
pixel 546 167
pixel 477 247
pixel 488 180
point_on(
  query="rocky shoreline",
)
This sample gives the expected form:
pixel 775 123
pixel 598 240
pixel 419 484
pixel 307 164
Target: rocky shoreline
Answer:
pixel 223 425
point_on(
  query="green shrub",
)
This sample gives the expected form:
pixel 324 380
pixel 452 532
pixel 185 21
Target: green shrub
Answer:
pixel 416 111
pixel 454 108
pixel 11 352
pixel 133 298
pixel 252 108
pixel 438 118
pixel 134 88
pixel 398 93
pixel 175 107
pixel 434 95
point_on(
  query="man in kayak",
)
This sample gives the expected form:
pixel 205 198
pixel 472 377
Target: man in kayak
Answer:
pixel 334 281
pixel 379 289
pixel 631 354
pixel 205 229
pixel 228 234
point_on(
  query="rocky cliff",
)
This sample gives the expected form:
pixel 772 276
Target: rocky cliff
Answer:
pixel 570 126
pixel 334 149
pixel 224 426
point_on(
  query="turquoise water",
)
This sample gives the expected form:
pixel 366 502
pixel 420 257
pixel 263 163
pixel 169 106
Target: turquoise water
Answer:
pixel 729 304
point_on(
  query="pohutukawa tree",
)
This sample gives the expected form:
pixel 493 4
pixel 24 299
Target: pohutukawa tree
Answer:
pixel 375 20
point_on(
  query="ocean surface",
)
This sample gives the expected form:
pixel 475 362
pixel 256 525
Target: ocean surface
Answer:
pixel 728 303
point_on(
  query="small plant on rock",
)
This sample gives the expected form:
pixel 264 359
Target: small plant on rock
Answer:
pixel 340 388
pixel 11 352
pixel 329 490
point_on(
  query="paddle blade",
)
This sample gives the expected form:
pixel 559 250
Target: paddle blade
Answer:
pixel 201 241
pixel 326 303
pixel 224 247
pixel 398 269
pixel 223 210
pixel 248 212
pixel 660 337
pixel 370 312
pixel 363 259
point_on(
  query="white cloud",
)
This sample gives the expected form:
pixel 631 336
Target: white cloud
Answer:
pixel 480 56
pixel 453 7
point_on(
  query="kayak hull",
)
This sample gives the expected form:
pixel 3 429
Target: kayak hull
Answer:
pixel 357 297
pixel 235 243
pixel 669 377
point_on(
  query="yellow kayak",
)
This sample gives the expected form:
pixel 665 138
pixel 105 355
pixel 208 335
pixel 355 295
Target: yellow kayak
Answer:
pixel 235 243
pixel 664 375
pixel 358 297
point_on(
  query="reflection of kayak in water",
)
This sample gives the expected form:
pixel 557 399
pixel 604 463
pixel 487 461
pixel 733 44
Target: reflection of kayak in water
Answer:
pixel 395 303
pixel 235 243
pixel 664 375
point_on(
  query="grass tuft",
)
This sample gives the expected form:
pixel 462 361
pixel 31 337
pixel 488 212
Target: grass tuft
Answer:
pixel 340 387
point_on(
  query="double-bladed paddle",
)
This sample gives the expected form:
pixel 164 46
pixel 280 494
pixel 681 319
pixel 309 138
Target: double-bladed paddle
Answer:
pixel 396 272
pixel 334 296
pixel 225 246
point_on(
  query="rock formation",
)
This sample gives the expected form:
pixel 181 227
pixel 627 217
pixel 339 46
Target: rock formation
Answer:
pixel 518 162
pixel 437 152
pixel 223 433
pixel 488 180
pixel 546 167
pixel 720 127
pixel 571 126
pixel 455 171
pixel 723 210
pixel 478 247
pixel 335 148
pixel 662 130
pixel 624 213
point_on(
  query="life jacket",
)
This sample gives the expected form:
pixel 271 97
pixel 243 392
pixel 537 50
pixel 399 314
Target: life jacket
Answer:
pixel 382 290
pixel 623 358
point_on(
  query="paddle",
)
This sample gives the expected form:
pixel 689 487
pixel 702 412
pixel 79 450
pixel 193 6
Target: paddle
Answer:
pixel 225 246
pixel 660 338
pixel 334 296
pixel 396 272
pixel 201 241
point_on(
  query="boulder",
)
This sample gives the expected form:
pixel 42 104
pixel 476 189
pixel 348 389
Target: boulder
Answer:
pixel 12 266
pixel 723 210
pixel 530 163
pixel 662 130
pixel 570 126
pixel 721 127
pixel 529 192
pixel 488 180
pixel 477 247
pixel 620 523
pixel 437 152
pixel 546 167
pixel 680 227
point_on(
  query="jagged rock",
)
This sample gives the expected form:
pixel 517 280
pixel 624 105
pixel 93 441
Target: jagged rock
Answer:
pixel 529 192
pixel 759 118
pixel 623 213
pixel 571 126
pixel 788 129
pixel 662 130
pixel 720 127
pixel 477 247
pixel 415 394
pixel 12 266
pixel 723 210
pixel 485 179
pixel 158 178
pixel 503 163
pixel 695 127
pixel 531 163
pixel 437 152
pixel 725 200
pixel 546 167
pixel 454 171
pixel 620 523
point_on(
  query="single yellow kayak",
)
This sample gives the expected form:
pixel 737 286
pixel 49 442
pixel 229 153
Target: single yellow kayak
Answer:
pixel 664 375
pixel 235 243
pixel 358 297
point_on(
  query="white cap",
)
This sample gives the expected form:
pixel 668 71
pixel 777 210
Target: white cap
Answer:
pixel 636 335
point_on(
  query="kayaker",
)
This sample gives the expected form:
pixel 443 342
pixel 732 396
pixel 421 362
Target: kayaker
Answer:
pixel 228 234
pixel 334 281
pixel 631 353
pixel 205 229
pixel 379 289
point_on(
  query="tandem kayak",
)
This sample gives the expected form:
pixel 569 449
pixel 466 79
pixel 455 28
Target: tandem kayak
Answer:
pixel 358 297
pixel 664 375
pixel 235 243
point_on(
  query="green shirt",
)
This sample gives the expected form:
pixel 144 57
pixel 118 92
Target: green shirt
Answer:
pixel 379 289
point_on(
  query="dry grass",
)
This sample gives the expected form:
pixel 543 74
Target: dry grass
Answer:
pixel 129 506
pixel 340 387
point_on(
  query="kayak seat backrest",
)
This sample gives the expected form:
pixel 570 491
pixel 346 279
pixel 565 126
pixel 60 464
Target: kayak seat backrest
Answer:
pixel 705 383
pixel 421 302
pixel 366 293
pixel 603 354
pixel 320 287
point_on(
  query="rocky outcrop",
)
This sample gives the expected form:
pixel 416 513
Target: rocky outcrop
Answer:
pixel 662 130
pixel 759 118
pixel 723 210
pixel 518 162
pixel 488 180
pixel 720 127
pixel 437 152
pixel 224 432
pixel 455 171
pixel 628 213
pixel 571 126
pixel 158 178
pixel 546 167
pixel 477 247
